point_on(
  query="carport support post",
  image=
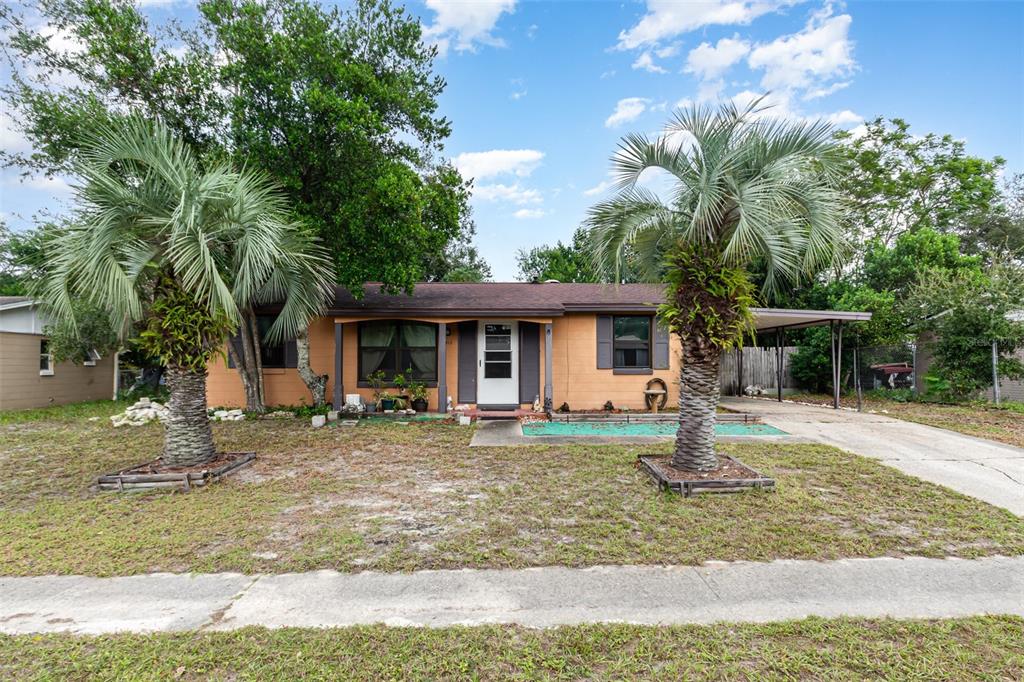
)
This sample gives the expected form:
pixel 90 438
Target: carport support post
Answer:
pixel 442 367
pixel 856 376
pixel 778 363
pixel 837 367
pixel 995 371
pixel 548 387
pixel 339 341
pixel 739 368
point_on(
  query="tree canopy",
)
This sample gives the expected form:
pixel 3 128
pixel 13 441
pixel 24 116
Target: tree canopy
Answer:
pixel 338 107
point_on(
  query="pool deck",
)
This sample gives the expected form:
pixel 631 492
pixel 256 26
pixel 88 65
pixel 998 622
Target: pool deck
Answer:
pixel 496 434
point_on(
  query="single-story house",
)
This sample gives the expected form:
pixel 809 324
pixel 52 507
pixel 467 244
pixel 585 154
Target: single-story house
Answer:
pixel 29 376
pixel 490 345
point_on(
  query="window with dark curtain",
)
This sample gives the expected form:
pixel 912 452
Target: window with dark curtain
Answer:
pixel 632 341
pixel 394 346
pixel 271 356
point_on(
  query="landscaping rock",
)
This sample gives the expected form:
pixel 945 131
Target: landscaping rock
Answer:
pixel 465 420
pixel 318 421
pixel 332 416
pixel 140 414
pixel 279 414
pixel 227 416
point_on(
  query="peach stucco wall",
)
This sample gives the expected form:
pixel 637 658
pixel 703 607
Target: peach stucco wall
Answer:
pixel 576 379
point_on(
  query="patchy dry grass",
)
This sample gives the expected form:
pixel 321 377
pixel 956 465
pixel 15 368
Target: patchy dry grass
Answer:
pixel 987 648
pixel 1004 424
pixel 404 497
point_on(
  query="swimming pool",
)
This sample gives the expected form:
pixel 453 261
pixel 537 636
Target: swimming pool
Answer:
pixel 639 429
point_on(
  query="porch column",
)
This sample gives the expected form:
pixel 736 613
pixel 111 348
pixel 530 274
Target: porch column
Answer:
pixel 548 390
pixel 339 347
pixel 442 366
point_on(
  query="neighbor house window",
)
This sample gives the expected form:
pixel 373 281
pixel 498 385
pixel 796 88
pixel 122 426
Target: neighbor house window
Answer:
pixel 271 356
pixel 45 359
pixel 393 346
pixel 632 342
pixel 91 358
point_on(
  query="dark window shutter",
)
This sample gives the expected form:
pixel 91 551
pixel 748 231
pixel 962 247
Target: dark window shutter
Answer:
pixel 529 361
pixel 467 362
pixel 291 354
pixel 661 346
pixel 604 341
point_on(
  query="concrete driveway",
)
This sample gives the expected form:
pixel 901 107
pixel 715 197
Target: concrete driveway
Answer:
pixel 984 469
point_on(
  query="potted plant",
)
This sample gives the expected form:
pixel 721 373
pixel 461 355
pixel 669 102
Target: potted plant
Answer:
pixel 400 383
pixel 387 402
pixel 418 394
pixel 376 381
pixel 400 403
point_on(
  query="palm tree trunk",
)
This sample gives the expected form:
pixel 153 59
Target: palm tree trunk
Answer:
pixel 316 383
pixel 698 404
pixel 188 439
pixel 248 369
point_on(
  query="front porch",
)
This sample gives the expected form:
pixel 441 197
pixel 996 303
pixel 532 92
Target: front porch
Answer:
pixel 495 366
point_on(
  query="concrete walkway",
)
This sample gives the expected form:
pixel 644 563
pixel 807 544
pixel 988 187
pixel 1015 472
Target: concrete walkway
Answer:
pixel 984 469
pixel 540 597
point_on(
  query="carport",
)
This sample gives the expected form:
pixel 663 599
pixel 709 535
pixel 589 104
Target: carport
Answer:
pixel 779 320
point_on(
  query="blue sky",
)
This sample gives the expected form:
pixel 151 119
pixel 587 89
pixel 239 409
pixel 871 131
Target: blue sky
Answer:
pixel 540 92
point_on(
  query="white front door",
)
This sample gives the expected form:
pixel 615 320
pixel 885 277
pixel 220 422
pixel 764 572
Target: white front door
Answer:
pixel 498 363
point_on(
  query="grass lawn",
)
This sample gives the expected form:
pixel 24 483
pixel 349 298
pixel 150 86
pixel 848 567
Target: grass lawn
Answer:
pixel 988 648
pixel 397 498
pixel 1004 424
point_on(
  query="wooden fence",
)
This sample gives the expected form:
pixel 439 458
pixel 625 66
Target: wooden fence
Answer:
pixel 759 369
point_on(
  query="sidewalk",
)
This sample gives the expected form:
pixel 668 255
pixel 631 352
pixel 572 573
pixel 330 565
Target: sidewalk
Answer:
pixel 539 597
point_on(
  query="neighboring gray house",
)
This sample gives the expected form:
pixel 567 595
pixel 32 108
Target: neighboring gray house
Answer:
pixel 29 377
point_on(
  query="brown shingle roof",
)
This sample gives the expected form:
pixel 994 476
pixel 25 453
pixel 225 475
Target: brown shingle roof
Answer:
pixel 497 298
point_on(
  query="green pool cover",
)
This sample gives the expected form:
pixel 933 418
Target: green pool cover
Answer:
pixel 639 429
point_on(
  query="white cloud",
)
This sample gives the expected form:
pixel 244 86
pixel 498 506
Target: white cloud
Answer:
pixel 666 19
pixel 646 62
pixel 463 25
pixel 514 194
pixel 826 91
pixel 808 59
pixel 844 118
pixel 708 61
pixel 479 165
pixel 607 74
pixel 12 141
pixel 529 214
pixel 518 89
pixel 627 110
pixel 531 31
pixel 56 185
pixel 599 188
pixel 668 51
pixel 779 105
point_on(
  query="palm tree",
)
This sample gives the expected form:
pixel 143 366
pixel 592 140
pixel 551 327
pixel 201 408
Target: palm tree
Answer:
pixel 175 252
pixel 748 190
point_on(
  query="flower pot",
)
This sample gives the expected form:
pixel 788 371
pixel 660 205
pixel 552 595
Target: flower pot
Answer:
pixel 420 405
pixel 387 405
pixel 370 407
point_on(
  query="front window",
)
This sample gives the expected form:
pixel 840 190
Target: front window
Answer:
pixel 393 347
pixel 45 359
pixel 270 356
pixel 632 343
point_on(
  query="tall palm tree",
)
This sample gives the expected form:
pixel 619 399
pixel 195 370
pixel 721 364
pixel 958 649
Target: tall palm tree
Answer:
pixel 175 252
pixel 747 190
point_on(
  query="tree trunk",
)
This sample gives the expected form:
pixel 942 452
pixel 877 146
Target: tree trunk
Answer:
pixel 188 438
pixel 316 383
pixel 257 351
pixel 246 362
pixel 698 405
